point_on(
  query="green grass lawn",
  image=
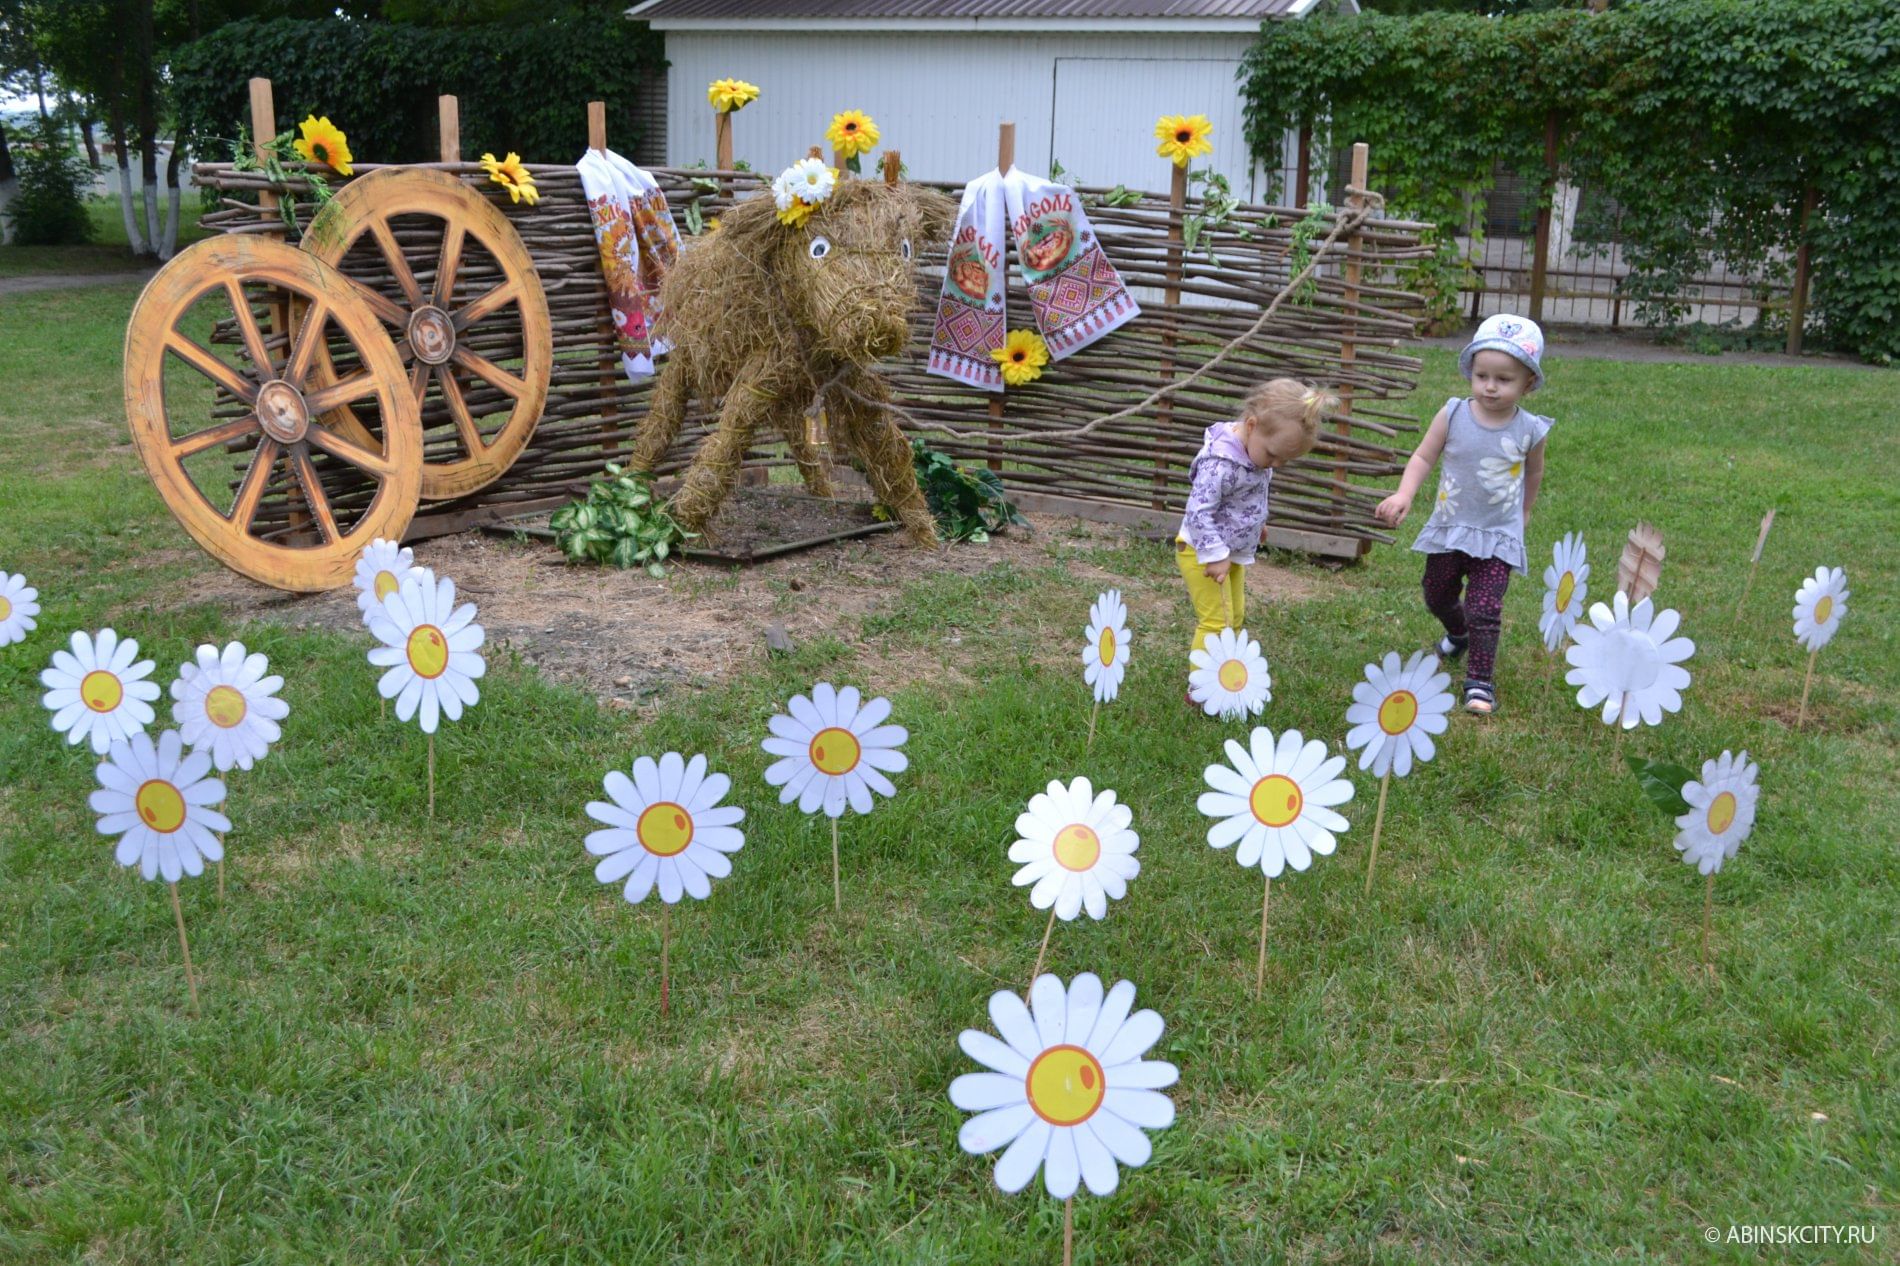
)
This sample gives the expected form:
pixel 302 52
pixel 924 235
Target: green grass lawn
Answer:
pixel 108 252
pixel 438 1041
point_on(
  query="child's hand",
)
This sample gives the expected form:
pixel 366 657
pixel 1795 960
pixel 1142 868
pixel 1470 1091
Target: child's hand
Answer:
pixel 1217 572
pixel 1393 509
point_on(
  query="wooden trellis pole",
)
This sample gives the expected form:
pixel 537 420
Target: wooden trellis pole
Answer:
pixel 1349 338
pixel 1171 299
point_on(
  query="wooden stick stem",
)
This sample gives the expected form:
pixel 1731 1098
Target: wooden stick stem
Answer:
pixel 1068 1232
pixel 1093 713
pixel 1802 716
pixel 1708 908
pixel 1260 969
pixel 220 873
pixel 665 943
pixel 1378 821
pixel 432 775
pixel 184 945
pixel 837 887
pixel 1037 970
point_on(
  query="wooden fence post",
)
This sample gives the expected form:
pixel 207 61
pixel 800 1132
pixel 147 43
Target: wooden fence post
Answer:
pixel 722 139
pixel 1798 299
pixel 1171 300
pixel 1540 249
pixel 449 128
pixel 1303 175
pixel 1348 345
pixel 1005 159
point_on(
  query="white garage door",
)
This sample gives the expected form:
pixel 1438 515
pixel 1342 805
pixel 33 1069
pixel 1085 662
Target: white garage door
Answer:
pixel 1105 112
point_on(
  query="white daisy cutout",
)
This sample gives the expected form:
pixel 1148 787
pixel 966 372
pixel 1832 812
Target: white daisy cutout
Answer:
pixel 1276 800
pixel 1447 500
pixel 1566 587
pixel 19 603
pixel 1068 1092
pixel 665 829
pixel 380 570
pixel 1105 645
pixel 1076 847
pixel 1818 607
pixel 226 705
pixel 429 647
pixel 834 752
pixel 1721 812
pixel 1229 677
pixel 96 691
pixel 1629 660
pixel 1395 711
pixel 157 800
pixel 1503 475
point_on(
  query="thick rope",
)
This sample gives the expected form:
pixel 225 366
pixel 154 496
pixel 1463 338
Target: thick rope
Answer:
pixel 1348 221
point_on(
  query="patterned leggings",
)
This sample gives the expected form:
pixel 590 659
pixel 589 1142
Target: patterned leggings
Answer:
pixel 1484 581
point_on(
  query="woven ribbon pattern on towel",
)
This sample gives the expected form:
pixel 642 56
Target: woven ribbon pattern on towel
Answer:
pixel 638 245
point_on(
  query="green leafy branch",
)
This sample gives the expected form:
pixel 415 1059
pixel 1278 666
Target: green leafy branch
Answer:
pixel 621 521
pixel 273 159
pixel 1218 205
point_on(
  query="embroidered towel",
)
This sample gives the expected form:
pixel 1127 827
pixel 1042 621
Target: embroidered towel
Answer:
pixel 638 244
pixel 1075 294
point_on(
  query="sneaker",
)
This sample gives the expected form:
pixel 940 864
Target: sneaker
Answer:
pixel 1450 648
pixel 1480 699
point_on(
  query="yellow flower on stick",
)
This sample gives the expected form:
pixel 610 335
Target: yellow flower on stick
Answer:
pixel 1183 137
pixel 1022 357
pixel 852 133
pixel 512 174
pixel 321 141
pixel 729 96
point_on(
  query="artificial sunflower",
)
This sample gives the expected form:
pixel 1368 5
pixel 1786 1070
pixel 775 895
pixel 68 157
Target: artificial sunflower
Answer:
pixel 729 96
pixel 1022 357
pixel 322 141
pixel 512 174
pixel 1183 137
pixel 852 133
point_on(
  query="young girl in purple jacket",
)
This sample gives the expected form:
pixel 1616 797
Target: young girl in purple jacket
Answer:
pixel 1227 506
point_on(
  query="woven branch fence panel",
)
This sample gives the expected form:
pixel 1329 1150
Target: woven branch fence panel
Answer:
pixel 1347 331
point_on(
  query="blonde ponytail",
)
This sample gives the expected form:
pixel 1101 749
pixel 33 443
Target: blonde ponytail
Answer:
pixel 1291 407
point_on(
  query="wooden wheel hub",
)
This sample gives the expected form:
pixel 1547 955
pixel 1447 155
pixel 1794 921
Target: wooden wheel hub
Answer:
pixel 432 335
pixel 281 412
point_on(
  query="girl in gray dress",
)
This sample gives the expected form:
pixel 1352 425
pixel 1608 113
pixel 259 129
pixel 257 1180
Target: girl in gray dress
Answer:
pixel 1493 454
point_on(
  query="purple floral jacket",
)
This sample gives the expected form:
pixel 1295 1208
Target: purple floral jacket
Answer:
pixel 1228 501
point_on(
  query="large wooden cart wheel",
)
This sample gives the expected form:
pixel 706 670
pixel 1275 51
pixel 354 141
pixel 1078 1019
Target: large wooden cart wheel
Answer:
pixel 443 268
pixel 334 493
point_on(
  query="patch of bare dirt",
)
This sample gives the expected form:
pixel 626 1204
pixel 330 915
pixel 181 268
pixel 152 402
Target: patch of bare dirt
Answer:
pixel 629 638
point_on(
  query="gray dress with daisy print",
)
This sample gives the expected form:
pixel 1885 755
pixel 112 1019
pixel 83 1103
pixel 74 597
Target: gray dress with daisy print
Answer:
pixel 1480 504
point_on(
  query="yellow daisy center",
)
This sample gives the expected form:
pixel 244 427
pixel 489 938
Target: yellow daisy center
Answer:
pixel 1065 1085
pixel 428 651
pixel 1105 647
pixel 1398 712
pixel 665 829
pixel 1566 589
pixel 1517 469
pixel 6 609
pixel 385 585
pixel 835 751
pixel 160 806
pixel 1823 609
pixel 1232 676
pixel 101 690
pixel 1077 847
pixel 1721 813
pixel 225 706
pixel 1276 800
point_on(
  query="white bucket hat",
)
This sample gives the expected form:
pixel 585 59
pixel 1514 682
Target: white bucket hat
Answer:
pixel 1517 337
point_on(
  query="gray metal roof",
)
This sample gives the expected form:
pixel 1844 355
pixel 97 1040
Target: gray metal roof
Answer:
pixel 764 11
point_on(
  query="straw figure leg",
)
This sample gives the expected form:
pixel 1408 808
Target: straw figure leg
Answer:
pixel 750 403
pixel 872 435
pixel 810 459
pixel 665 415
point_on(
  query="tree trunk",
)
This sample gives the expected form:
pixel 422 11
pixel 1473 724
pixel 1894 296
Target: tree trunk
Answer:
pixel 6 157
pixel 132 236
pixel 86 122
pixel 170 247
pixel 144 36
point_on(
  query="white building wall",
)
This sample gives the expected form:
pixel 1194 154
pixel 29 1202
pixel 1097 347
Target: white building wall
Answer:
pixel 1087 99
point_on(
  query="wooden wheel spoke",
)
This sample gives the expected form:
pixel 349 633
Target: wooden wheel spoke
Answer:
pixel 251 490
pixel 248 327
pixel 359 450
pixel 355 387
pixel 398 265
pixel 419 380
pixel 485 305
pixel 464 420
pixel 203 360
pixel 212 436
pixel 491 373
pixel 314 495
pixel 448 263
pixel 386 309
pixel 309 338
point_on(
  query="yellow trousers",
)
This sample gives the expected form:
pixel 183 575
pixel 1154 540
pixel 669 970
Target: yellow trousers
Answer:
pixel 1217 604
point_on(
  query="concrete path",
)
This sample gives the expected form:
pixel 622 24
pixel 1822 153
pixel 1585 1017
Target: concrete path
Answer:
pixel 69 281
